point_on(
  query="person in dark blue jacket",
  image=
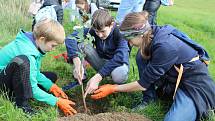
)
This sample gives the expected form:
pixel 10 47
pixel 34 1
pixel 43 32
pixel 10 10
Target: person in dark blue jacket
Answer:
pixel 110 55
pixel 170 65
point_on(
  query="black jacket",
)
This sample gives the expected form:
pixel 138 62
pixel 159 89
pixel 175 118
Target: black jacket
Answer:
pixel 58 8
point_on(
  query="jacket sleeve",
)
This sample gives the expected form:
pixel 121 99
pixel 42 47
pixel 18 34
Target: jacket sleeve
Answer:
pixel 39 94
pixel 59 12
pixel 163 57
pixel 44 81
pixel 72 44
pixel 121 56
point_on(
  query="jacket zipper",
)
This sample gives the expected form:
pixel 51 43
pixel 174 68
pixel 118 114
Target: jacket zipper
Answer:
pixel 103 42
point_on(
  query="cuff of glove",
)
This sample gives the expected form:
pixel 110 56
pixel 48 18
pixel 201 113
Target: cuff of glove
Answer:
pixel 115 88
pixel 57 102
pixel 53 87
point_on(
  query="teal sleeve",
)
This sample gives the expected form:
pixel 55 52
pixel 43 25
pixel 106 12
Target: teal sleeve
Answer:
pixel 39 94
pixel 43 96
pixel 45 82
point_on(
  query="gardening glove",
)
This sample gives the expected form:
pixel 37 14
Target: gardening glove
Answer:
pixel 104 91
pixel 57 91
pixel 66 106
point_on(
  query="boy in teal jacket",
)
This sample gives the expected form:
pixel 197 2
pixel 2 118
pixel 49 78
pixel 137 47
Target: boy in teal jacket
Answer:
pixel 20 67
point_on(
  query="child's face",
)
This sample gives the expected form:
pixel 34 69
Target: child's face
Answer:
pixel 81 7
pixel 136 41
pixel 46 46
pixel 104 33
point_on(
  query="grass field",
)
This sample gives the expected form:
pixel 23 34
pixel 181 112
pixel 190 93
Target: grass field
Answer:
pixel 194 17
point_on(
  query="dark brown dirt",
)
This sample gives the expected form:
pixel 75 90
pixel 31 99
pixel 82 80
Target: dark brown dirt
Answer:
pixel 114 116
pixel 98 111
pixel 94 107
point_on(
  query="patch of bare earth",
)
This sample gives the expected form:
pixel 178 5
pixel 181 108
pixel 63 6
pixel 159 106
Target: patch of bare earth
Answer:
pixel 113 116
pixel 98 111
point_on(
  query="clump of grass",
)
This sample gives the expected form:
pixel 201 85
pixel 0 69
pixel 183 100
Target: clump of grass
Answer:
pixel 8 111
pixel 13 16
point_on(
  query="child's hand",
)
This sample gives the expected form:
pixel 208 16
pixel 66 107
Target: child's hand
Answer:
pixel 58 92
pixel 66 106
pixel 103 91
pixel 93 84
pixel 78 73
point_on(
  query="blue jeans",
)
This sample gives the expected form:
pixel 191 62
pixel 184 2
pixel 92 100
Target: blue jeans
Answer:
pixel 182 109
pixel 128 6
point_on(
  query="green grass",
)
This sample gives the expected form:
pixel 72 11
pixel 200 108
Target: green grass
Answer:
pixel 194 17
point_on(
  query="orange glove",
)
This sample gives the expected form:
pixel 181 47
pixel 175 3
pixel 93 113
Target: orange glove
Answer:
pixel 103 91
pixel 65 106
pixel 57 91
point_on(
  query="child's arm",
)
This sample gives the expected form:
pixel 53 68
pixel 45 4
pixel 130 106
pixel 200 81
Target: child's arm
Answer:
pixel 39 94
pixel 108 89
pixel 44 81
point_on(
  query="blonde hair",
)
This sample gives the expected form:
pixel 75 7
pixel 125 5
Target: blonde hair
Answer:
pixel 136 18
pixel 50 29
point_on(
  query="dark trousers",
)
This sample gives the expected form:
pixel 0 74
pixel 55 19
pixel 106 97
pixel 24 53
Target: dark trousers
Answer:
pixel 50 75
pixel 152 6
pixel 92 56
pixel 15 80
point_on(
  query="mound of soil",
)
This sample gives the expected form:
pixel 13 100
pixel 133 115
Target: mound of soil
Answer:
pixel 113 116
